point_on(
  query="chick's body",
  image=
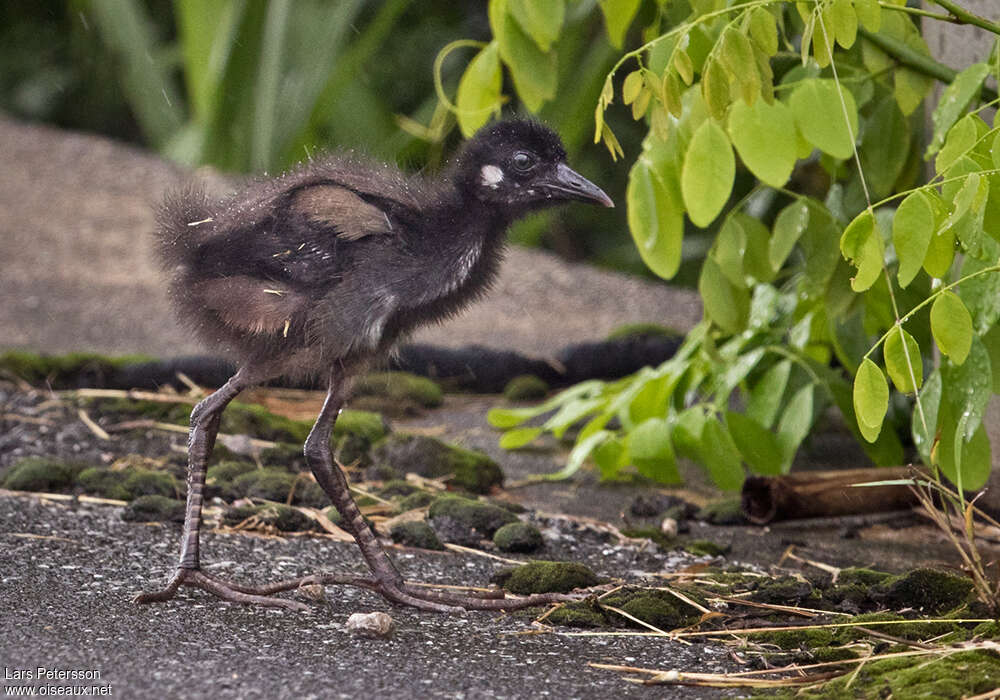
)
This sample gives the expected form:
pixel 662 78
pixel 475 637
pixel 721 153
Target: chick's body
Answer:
pixel 329 263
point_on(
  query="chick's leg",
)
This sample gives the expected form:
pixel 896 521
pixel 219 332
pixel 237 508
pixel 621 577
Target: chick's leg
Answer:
pixel 201 439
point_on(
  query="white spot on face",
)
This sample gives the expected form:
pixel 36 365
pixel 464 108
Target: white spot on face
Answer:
pixel 491 176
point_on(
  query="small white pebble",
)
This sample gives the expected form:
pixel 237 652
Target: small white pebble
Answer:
pixel 376 624
pixel 669 527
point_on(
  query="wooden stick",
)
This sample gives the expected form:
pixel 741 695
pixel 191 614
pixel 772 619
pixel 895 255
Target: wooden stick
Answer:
pixel 824 494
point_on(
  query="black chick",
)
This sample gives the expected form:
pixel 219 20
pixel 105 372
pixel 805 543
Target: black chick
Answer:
pixel 321 271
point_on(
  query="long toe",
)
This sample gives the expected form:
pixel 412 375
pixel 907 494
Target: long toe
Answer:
pixel 231 592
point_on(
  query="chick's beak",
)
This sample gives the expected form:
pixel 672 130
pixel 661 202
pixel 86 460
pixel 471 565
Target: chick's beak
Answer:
pixel 566 183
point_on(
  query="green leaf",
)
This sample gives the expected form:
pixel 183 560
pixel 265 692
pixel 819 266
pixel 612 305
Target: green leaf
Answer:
pixel 761 134
pixel 757 444
pixel 940 254
pixel 651 451
pixel 951 325
pixel 925 416
pixel 727 305
pixel 655 219
pixel 533 70
pixel 885 146
pixel 736 56
pixel 479 90
pixel 969 386
pixel 902 356
pixel 912 229
pixel 579 454
pixel 618 16
pixel 730 249
pixel 795 422
pixel 955 102
pixel 845 22
pixel 965 462
pixel 715 88
pixel 518 437
pixel 571 412
pixel 764 30
pixel 765 397
pixel 708 173
pixel 684 66
pixel 861 243
pixel 610 457
pixel 632 86
pixel 719 455
pixel 505 418
pixel 869 14
pixel 960 139
pixel 820 249
pixel 790 224
pixel 871 399
pixel 540 20
pixel 819 107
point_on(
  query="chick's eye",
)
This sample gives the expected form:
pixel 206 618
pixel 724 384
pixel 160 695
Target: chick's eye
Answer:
pixel 523 161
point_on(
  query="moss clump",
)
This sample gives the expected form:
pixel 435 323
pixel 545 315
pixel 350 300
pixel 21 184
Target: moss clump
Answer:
pixel 518 537
pixel 162 411
pixel 658 608
pixel 420 499
pixel 219 478
pixel 728 511
pixel 958 675
pixel 705 548
pixel 66 371
pixel 481 520
pixel 546 577
pixel 785 590
pixel 929 590
pixel 650 533
pixel 286 455
pixel 642 330
pixel 578 615
pixel 401 387
pixel 367 425
pixel 469 470
pixel 276 485
pixel 127 484
pixel 798 639
pixel 862 576
pixel 415 534
pixel 397 487
pixel 41 474
pixel 333 515
pixel 154 508
pixel 280 517
pixel 525 387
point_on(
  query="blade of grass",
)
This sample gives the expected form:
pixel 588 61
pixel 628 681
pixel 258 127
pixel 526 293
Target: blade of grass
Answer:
pixel 145 75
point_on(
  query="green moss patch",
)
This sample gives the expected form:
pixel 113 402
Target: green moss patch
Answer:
pixel 958 675
pixel 518 537
pixel 705 548
pixel 728 511
pixel 66 371
pixel 525 387
pixel 415 534
pixel 420 499
pixel 127 484
pixel 546 577
pixel 400 388
pixel 42 474
pixel 280 517
pixel 154 509
pixel 277 484
pixel 930 590
pixel 469 470
pixel 479 520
